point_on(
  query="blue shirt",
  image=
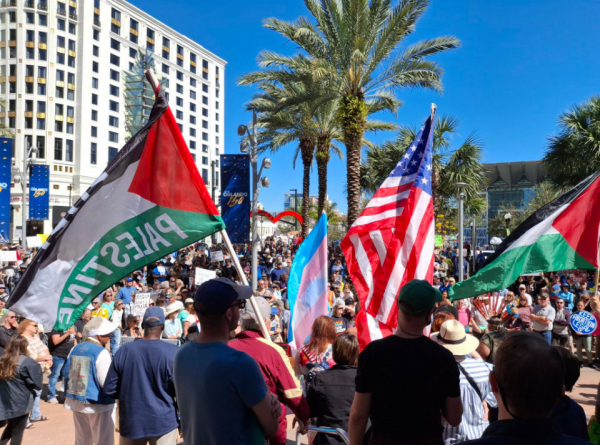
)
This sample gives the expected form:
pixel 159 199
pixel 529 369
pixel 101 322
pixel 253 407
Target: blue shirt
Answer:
pixel 568 297
pixel 125 294
pixel 141 377
pixel 216 388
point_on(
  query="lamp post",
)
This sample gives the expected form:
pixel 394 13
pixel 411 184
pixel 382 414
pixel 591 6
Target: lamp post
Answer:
pixel 507 218
pixel 461 256
pixel 213 166
pixel 20 175
pixel 295 207
pixel 251 146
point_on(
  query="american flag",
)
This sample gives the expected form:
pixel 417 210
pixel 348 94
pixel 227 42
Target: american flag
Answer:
pixel 392 241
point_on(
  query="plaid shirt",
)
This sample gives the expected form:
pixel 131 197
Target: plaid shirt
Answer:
pixel 37 347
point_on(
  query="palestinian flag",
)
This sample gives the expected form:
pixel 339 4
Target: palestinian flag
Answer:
pixel 561 235
pixel 149 202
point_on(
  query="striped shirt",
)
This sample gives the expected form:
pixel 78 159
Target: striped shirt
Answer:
pixel 472 424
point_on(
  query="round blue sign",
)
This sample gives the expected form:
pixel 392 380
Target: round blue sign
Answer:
pixel 583 322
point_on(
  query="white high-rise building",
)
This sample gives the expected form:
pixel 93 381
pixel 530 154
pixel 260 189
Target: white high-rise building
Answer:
pixel 61 77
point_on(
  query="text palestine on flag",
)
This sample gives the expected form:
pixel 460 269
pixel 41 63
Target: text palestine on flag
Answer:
pixel 392 242
pixel 149 201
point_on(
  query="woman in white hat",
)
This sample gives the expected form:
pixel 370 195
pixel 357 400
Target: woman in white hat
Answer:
pixel 475 389
pixel 173 328
pixel 191 318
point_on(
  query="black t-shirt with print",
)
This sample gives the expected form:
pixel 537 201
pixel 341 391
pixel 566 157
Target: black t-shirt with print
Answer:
pixel 409 380
pixel 341 324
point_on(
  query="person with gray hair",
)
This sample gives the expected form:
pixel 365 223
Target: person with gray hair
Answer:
pixel 275 367
pixel 9 327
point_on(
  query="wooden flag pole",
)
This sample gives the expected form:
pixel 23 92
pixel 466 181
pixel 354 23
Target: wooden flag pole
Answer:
pixel 238 267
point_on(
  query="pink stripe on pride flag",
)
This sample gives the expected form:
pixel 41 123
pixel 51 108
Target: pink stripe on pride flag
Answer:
pixel 303 328
pixel 314 266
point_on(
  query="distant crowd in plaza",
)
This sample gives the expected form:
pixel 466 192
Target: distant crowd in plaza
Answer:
pixel 196 365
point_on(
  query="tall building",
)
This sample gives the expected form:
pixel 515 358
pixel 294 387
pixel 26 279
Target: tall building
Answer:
pixel 290 198
pixel 61 77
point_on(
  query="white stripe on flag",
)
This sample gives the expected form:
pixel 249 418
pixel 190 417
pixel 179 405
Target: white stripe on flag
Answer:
pixel 374 329
pixel 393 213
pixel 397 275
pixel 426 253
pixel 376 202
pixel 363 263
pixel 395 181
pixel 379 245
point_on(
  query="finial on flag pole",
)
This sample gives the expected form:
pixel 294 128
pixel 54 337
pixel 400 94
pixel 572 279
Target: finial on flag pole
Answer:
pixel 433 109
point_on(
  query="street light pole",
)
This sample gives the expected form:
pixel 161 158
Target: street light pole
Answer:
pixel 257 182
pixel 461 235
pixel 507 218
pixel 23 179
pixel 295 207
pixel 214 187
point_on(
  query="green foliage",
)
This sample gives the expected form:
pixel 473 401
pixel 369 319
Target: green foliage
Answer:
pixel 574 154
pixel 353 116
pixel 4 130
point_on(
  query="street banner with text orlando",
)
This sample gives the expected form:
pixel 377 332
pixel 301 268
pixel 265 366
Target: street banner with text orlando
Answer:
pixel 149 202
pixel 561 235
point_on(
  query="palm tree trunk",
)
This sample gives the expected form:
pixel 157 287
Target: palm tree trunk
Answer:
pixel 307 149
pixel 353 113
pixel 323 156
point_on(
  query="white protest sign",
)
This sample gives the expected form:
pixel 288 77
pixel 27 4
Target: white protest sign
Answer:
pixel 142 302
pixel 8 255
pixel 203 275
pixel 217 255
pixel 34 241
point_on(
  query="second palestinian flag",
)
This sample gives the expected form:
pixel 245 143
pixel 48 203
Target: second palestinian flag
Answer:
pixel 561 235
pixel 149 202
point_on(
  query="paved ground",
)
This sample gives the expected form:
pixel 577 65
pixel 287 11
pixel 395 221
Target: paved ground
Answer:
pixel 59 428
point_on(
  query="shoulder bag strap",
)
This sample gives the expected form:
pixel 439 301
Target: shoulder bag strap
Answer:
pixel 471 381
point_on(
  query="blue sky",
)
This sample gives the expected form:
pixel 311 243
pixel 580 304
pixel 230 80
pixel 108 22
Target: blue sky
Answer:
pixel 521 64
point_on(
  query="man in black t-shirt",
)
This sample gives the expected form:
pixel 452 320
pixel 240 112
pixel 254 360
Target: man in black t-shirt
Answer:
pixel 60 344
pixel 9 327
pixel 406 382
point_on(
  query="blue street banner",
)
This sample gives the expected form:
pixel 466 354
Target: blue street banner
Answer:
pixel 235 196
pixel 6 150
pixel 39 192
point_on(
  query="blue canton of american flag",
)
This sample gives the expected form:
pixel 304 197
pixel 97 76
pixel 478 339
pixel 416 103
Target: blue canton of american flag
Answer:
pixel 393 239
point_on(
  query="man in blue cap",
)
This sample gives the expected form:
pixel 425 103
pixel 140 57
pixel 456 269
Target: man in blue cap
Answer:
pixel 126 296
pixel 406 382
pixel 141 378
pixel 221 392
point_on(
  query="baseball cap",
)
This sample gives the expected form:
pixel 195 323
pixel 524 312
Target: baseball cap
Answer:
pixel 154 316
pixel 274 310
pixel 218 294
pixel 129 280
pixel 189 300
pixel 421 295
pixel 263 308
pixel 349 301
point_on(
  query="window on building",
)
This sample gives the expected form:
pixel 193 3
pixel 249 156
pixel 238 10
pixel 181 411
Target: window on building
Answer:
pixel 180 89
pixel 114 90
pixel 115 60
pixel 41 145
pixel 94 83
pixel 94 154
pixel 68 151
pixel 193 132
pixel 41 89
pixel 96 50
pixel 115 25
pixel 113 136
pixel 192 145
pixel 165 68
pixel 179 75
pixel 179 101
pixel 192 94
pixel 94 132
pixel 132 53
pixel 205 175
pixel 115 75
pixel 180 127
pixel 133 31
pixel 217 104
pixel 95 115
pixel 150 39
pixel 60 93
pixel 70 94
pixel 205 69
pixel 72 28
pixel 30 53
pixel 205 88
pixel 193 63
pixel 166 49
pixel 41 124
pixel 204 160
pixel 113 121
pixel 96 35
pixel 217 92
pixel 60 25
pixel 94 99
pixel 42 20
pixel 204 148
pixel 205 137
pixel 58 149
pixel 205 100
pixel 193 120
pixel 205 124
pixel 192 107
pixel 179 114
pixel 29 18
pixel 95 67
pixel 114 106
pixel 216 128
pixel 217 117
pixel 192 82
pixel 114 44
pixel 112 152
pixel 70 128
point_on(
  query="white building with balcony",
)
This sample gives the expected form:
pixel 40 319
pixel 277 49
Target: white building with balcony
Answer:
pixel 61 78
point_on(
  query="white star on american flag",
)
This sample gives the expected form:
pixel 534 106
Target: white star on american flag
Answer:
pixel 424 181
pixel 413 162
pixel 429 167
pixel 413 147
pixel 406 156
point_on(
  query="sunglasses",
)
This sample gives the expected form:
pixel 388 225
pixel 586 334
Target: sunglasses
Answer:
pixel 95 302
pixel 240 303
pixel 12 317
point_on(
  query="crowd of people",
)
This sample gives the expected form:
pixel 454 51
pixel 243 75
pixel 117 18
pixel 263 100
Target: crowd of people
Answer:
pixel 203 369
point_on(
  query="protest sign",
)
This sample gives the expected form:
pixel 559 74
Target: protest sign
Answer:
pixel 34 241
pixel 8 255
pixel 216 255
pixel 203 275
pixel 583 322
pixel 142 302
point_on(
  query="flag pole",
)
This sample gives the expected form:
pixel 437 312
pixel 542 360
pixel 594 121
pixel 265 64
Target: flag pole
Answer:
pixel 155 86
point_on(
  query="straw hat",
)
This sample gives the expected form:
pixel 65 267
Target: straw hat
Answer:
pixel 173 307
pixel 452 336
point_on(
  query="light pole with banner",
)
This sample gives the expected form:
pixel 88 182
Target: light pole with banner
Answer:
pixel 20 175
pixel 250 145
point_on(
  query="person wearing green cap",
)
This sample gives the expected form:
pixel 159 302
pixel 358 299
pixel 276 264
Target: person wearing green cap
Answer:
pixel 406 382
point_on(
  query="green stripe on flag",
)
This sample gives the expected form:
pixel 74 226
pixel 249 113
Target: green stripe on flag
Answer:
pixel 549 253
pixel 129 246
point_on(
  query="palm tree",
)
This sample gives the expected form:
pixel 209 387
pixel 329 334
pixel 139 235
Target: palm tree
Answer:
pixel 450 166
pixel 333 217
pixel 355 44
pixel 4 130
pixel 574 153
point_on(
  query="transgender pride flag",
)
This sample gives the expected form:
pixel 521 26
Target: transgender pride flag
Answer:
pixel 307 285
